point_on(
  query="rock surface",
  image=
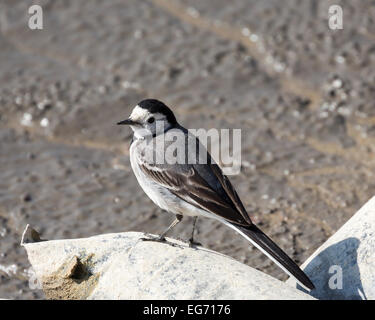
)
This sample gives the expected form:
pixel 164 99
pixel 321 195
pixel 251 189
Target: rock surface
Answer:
pixel 122 266
pixel 343 267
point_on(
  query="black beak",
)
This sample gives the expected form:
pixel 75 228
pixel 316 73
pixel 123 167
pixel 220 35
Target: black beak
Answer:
pixel 128 122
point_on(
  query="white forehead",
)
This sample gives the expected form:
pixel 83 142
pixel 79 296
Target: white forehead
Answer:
pixel 139 113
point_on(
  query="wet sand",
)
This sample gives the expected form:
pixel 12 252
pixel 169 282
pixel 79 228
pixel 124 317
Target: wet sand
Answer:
pixel 302 94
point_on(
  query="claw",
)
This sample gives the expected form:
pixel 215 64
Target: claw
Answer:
pixel 155 239
pixel 149 237
pixel 159 239
pixel 194 244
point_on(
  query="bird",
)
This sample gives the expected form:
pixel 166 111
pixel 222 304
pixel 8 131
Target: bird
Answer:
pixel 179 175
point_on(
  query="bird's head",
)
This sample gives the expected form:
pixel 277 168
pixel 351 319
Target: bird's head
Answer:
pixel 150 117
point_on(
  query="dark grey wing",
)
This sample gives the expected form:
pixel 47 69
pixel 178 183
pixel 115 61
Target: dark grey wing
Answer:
pixel 203 186
pixel 230 191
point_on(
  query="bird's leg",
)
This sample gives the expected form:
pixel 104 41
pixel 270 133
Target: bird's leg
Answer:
pixel 192 233
pixel 191 240
pixel 161 238
pixel 173 224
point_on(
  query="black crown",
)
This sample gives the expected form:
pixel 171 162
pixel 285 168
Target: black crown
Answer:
pixel 156 106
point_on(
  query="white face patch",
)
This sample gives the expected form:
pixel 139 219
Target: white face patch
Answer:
pixel 147 128
pixel 139 114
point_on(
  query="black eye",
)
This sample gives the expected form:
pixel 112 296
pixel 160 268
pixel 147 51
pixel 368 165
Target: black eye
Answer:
pixel 151 120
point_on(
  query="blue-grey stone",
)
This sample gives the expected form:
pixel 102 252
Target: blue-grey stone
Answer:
pixel 344 266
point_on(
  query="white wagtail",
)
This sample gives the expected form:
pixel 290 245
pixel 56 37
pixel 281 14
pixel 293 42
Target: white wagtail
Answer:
pixel 195 186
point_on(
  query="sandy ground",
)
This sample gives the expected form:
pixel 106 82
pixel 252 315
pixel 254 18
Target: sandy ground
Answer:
pixel 302 94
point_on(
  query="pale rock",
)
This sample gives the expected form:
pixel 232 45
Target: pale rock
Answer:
pixel 344 266
pixel 122 266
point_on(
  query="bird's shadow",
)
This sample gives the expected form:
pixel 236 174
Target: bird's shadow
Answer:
pixel 335 272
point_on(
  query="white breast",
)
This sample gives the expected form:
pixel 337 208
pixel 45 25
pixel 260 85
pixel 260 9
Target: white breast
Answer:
pixel 160 195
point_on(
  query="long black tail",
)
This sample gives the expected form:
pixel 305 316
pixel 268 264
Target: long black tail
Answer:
pixel 272 250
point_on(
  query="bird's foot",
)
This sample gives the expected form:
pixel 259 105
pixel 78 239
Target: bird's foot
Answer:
pixel 150 237
pixel 193 244
pixel 160 239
